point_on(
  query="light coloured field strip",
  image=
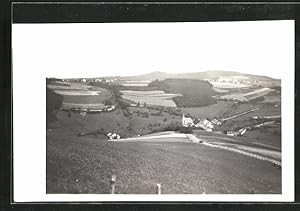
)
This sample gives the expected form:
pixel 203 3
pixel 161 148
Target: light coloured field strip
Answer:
pixel 241 114
pixel 271 117
pixel 77 93
pixel 137 84
pixel 165 137
pixel 258 93
pixel 84 105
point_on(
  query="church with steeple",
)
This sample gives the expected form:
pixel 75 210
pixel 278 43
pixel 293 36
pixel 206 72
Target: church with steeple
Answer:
pixel 187 121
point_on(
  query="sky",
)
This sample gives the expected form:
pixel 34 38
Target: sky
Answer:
pixel 120 49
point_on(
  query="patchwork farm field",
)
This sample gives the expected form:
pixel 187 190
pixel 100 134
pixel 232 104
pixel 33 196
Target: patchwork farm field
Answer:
pixel 245 95
pixel 82 96
pixel 158 98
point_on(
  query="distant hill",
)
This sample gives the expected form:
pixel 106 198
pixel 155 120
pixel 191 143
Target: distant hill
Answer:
pixel 195 93
pixel 207 75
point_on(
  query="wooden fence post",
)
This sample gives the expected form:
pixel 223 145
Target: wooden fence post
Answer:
pixel 158 188
pixel 112 184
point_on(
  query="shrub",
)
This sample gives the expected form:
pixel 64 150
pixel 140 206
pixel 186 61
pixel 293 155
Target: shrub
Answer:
pixel 122 104
pixel 145 115
pixel 108 102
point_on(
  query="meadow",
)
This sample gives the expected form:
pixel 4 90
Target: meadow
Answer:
pixel 86 164
pixel 245 95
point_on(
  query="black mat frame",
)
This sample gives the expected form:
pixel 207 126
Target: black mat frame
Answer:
pixel 87 12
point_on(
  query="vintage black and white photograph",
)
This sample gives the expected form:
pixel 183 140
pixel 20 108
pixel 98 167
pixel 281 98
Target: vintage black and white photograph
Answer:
pixel 160 108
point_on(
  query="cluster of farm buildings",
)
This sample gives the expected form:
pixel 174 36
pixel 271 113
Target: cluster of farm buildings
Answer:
pixel 209 125
pixel 205 124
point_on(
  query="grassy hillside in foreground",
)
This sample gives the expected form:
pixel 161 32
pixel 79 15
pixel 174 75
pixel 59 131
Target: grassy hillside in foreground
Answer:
pixel 196 93
pixel 85 165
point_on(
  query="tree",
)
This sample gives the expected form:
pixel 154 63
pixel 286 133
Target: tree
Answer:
pixel 123 105
pixel 108 102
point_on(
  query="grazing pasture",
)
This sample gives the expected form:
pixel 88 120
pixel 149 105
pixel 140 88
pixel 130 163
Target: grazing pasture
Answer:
pixel 86 164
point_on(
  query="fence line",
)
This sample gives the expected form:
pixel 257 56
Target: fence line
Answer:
pixel 113 185
pixel 259 157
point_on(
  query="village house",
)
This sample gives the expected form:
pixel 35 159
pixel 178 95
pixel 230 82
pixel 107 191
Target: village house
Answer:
pixel 242 131
pixel 216 122
pixel 205 125
pixel 110 108
pixel 232 133
pixel 113 136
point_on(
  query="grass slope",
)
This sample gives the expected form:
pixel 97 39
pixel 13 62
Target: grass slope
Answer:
pixel 85 165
